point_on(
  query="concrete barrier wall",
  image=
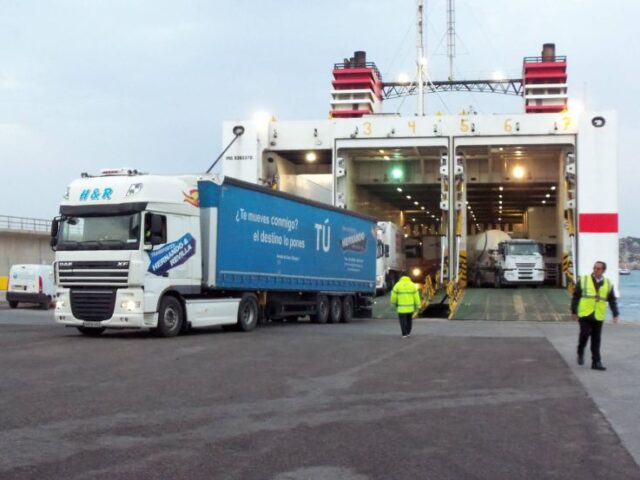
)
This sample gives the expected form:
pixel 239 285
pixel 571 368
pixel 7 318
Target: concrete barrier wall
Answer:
pixel 22 247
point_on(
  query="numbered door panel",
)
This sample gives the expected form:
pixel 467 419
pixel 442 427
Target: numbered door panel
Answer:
pixel 511 186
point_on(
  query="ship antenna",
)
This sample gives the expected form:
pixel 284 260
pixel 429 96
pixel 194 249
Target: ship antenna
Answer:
pixel 451 35
pixel 421 60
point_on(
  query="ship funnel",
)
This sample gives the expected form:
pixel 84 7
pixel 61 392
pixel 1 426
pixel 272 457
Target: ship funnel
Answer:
pixel 549 52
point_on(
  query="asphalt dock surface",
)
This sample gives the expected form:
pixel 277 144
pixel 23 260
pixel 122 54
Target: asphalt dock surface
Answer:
pixel 457 400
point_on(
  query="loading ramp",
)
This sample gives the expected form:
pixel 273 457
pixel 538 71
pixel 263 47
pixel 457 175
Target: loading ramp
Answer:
pixel 514 304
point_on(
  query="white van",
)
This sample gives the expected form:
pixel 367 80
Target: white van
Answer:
pixel 31 284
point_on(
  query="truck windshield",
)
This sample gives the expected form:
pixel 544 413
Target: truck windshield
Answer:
pixel 523 248
pixel 113 232
pixel 413 251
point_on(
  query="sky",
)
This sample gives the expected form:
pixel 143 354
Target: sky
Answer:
pixel 90 84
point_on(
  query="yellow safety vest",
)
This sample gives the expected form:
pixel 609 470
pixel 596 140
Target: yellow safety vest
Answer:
pixel 592 301
pixel 405 296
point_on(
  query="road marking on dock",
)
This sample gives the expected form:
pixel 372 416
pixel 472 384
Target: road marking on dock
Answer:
pixel 518 303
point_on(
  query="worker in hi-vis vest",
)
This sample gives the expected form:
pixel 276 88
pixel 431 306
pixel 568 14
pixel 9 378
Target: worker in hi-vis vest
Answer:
pixel 406 299
pixel 589 307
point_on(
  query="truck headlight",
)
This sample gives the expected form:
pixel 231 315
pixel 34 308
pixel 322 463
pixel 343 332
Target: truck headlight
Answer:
pixel 60 303
pixel 416 272
pixel 130 305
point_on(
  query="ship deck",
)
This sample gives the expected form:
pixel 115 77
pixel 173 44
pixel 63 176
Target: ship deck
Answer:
pixel 504 304
pixel 508 304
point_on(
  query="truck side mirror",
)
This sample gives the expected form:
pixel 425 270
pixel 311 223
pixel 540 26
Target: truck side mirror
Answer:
pixel 55 227
pixel 155 234
pixel 386 251
pixel 156 226
pixel 155 240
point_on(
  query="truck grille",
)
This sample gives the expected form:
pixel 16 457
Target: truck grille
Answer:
pixel 525 270
pixel 93 305
pixel 104 274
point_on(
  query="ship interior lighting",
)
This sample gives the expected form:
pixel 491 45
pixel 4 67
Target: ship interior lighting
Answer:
pixel 553 187
pixel 544 201
pixel 311 157
pixel 416 203
pixel 408 197
pixel 501 188
pixel 386 157
pixel 381 151
pixel 548 195
pixel 399 189
pixel 396 173
pixel 422 207
pixel 518 172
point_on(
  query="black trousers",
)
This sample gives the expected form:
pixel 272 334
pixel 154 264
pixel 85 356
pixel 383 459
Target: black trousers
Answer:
pixel 406 322
pixel 590 327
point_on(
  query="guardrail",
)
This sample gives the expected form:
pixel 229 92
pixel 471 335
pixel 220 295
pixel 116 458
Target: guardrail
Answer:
pixel 24 224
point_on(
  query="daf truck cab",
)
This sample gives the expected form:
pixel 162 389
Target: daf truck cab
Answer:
pixel 104 239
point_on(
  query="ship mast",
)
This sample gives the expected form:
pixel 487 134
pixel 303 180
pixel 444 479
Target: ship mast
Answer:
pixel 421 60
pixel 451 35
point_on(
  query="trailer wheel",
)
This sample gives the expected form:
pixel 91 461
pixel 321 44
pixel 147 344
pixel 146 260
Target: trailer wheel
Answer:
pixel 90 332
pixel 170 317
pixel 347 309
pixel 335 310
pixel 322 310
pixel 13 304
pixel 248 312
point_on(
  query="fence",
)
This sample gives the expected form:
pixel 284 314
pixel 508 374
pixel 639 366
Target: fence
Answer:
pixel 24 224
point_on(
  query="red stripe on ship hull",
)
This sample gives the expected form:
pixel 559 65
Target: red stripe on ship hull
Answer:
pixel 598 223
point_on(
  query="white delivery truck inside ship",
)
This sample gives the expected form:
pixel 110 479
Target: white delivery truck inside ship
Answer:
pixel 497 259
pixel 172 252
pixel 390 256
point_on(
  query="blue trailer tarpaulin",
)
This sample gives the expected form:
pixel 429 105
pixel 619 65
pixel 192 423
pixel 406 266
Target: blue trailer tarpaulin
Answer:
pixel 267 240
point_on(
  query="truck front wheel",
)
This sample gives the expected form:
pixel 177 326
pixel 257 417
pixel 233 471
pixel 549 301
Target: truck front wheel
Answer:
pixel 170 317
pixel 13 304
pixel 248 312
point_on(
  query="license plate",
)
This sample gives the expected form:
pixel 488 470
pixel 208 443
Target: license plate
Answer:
pixel 92 324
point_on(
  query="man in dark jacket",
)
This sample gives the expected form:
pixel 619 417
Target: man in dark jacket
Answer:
pixel 589 307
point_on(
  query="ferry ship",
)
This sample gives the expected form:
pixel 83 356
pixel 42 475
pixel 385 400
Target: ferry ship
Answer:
pixel 444 178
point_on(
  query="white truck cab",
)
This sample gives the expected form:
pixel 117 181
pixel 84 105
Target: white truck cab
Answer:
pixel 520 262
pixel 107 271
